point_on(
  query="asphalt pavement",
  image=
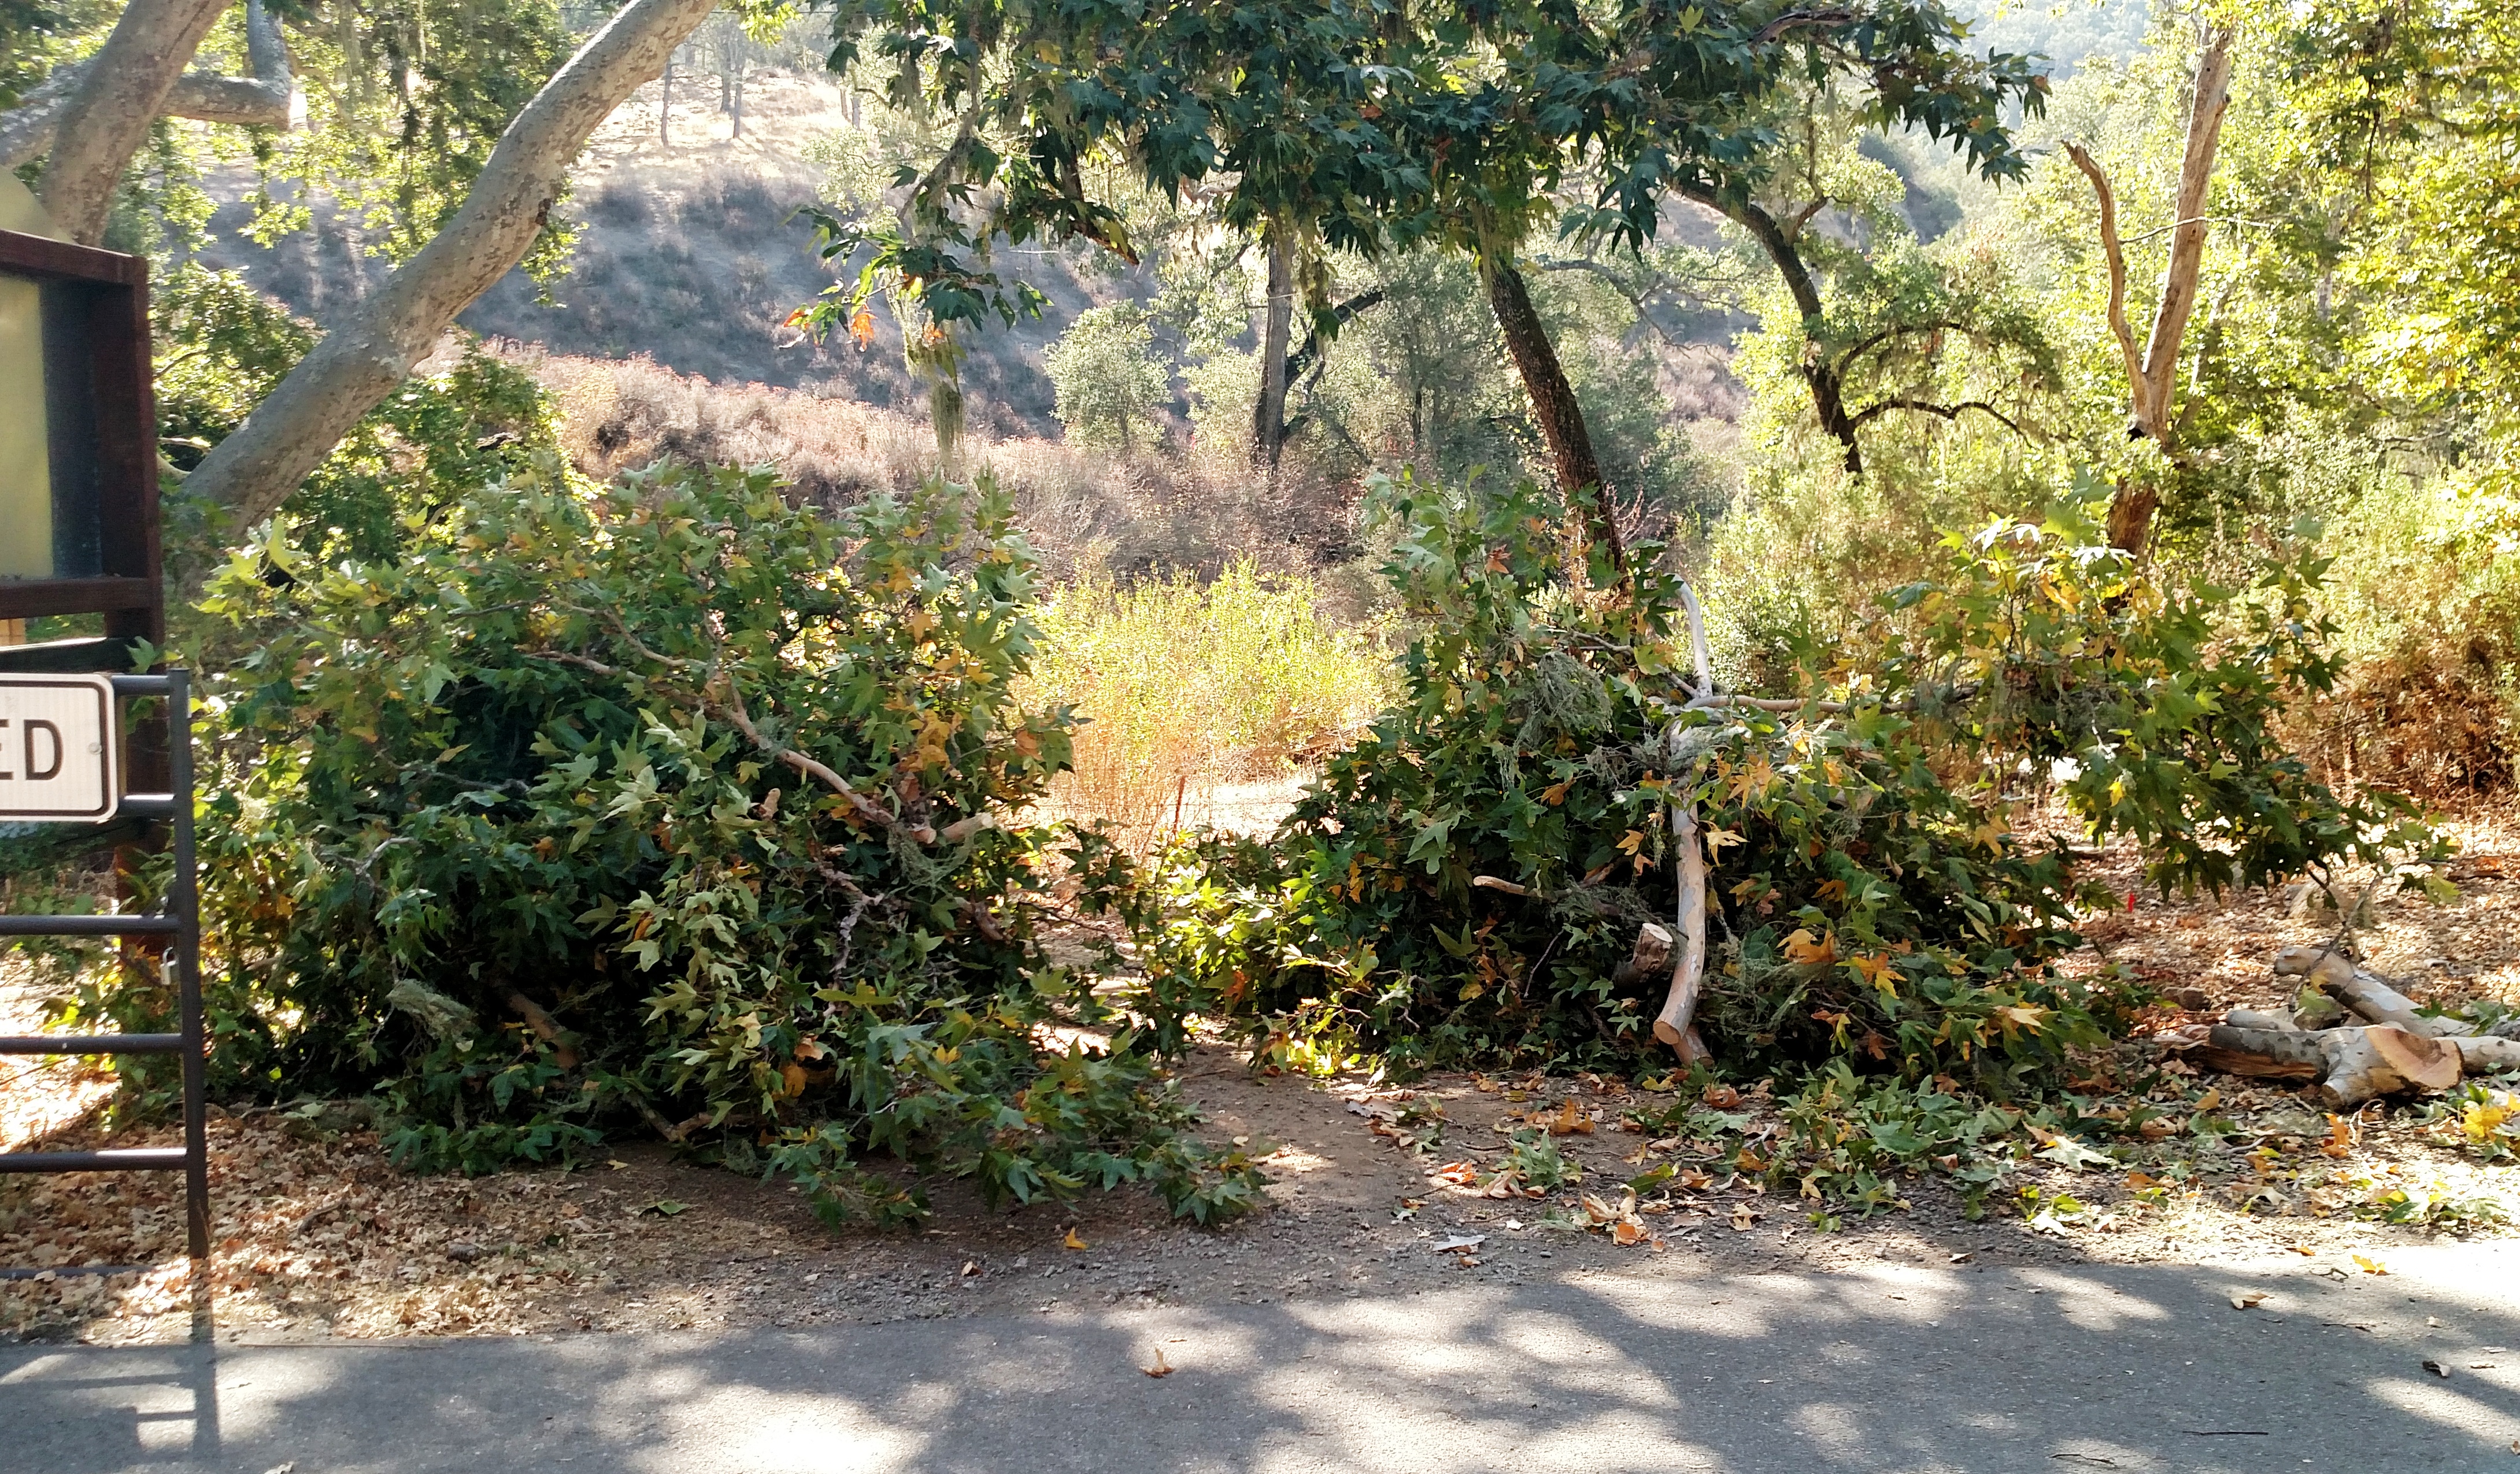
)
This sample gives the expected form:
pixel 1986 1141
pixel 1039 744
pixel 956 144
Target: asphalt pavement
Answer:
pixel 1894 1367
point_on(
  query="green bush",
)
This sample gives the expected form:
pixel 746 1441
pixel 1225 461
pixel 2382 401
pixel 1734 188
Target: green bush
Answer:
pixel 1872 898
pixel 667 803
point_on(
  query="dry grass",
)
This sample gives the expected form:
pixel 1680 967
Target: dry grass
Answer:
pixel 1199 699
pixel 1084 510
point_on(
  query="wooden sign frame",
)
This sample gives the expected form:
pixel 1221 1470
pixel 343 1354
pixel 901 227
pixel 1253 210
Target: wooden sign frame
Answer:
pixel 111 295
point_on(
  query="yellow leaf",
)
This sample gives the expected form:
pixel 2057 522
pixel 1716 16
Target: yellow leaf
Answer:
pixel 793 1076
pixel 1876 971
pixel 2370 1265
pixel 2022 1015
pixel 1072 1241
pixel 1630 840
pixel 2209 1100
pixel 1554 793
pixel 1805 951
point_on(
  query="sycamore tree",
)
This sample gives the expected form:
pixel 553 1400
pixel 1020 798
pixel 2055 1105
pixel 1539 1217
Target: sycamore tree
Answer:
pixel 480 129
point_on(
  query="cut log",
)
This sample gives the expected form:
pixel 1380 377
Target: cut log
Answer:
pixel 2352 1065
pixel 2266 1053
pixel 2365 993
pixel 2365 1064
pixel 2482 1055
pixel 1648 959
pixel 1676 1025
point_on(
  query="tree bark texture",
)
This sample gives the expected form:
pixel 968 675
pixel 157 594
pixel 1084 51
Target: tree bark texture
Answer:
pixel 1276 330
pixel 375 346
pixel 264 100
pixel 1552 396
pixel 110 112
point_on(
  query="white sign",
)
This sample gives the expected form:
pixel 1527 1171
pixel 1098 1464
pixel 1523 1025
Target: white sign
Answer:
pixel 57 748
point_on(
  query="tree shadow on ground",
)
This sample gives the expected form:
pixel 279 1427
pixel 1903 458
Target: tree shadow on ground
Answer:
pixel 1891 1368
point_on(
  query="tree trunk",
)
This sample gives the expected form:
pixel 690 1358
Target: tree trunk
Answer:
pixel 1269 412
pixel 1825 379
pixel 363 357
pixel 1552 397
pixel 263 101
pixel 123 92
pixel 2188 229
pixel 2152 375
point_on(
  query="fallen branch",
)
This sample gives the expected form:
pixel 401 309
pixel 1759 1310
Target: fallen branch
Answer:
pixel 538 1018
pixel 1491 883
pixel 1677 1024
pixel 2365 993
pixel 2353 1066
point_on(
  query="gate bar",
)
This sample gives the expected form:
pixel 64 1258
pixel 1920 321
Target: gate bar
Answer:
pixel 182 921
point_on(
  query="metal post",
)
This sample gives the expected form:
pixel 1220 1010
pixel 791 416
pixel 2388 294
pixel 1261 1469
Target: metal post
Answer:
pixel 185 902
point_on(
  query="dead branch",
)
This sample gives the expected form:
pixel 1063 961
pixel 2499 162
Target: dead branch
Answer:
pixel 539 1020
pixel 2115 253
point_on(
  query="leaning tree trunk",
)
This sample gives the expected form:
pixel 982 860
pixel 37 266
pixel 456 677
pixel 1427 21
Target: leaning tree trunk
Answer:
pixel 1552 396
pixel 119 96
pixel 374 348
pixel 260 101
pixel 1276 330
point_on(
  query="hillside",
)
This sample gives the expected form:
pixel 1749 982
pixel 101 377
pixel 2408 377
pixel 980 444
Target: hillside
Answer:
pixel 688 255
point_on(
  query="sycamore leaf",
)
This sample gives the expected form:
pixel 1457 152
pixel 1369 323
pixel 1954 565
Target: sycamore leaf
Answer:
pixel 1806 950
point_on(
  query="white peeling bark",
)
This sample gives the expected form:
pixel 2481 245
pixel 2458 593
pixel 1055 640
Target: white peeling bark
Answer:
pixel 373 348
pixel 267 99
pixel 109 113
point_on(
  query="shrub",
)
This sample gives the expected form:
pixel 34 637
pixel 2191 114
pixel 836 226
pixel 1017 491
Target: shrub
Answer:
pixel 667 803
pixel 1106 376
pixel 1872 901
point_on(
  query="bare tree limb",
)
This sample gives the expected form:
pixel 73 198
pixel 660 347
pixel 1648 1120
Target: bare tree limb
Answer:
pixel 110 108
pixel 372 349
pixel 1930 407
pixel 2115 253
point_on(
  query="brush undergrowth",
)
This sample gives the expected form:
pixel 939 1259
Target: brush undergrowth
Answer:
pixel 659 807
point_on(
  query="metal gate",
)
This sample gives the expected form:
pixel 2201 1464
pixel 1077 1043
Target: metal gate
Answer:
pixel 180 923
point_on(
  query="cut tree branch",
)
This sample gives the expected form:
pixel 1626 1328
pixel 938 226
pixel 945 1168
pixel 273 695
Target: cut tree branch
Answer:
pixel 372 349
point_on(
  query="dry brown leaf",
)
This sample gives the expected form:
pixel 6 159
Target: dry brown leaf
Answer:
pixel 2249 1300
pixel 1162 1368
